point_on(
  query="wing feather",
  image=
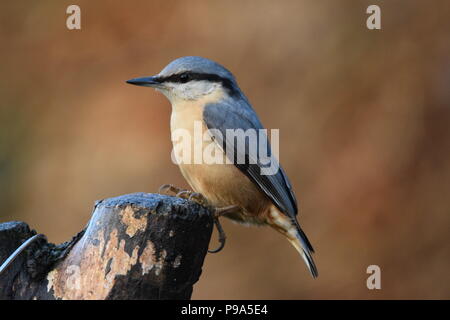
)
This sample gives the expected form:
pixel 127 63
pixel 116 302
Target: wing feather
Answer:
pixel 223 116
pixel 232 115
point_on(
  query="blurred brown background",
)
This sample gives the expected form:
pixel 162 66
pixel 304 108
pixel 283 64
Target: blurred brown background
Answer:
pixel 364 121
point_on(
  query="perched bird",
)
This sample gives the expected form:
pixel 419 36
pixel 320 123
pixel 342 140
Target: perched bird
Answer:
pixel 202 91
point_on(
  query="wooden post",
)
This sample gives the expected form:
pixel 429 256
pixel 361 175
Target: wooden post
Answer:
pixel 136 246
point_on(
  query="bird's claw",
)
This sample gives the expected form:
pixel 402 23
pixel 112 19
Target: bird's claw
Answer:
pixel 169 188
pixel 193 196
pixel 199 198
pixel 218 212
pixel 183 193
pixel 222 235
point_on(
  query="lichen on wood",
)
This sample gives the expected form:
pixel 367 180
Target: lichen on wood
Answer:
pixel 136 246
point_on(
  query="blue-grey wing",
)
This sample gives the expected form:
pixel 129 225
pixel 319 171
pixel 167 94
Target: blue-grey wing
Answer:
pixel 231 115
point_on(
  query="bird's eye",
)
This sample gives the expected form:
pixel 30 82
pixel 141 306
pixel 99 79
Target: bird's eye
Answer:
pixel 184 77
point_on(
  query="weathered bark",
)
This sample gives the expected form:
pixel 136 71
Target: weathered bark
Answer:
pixel 137 246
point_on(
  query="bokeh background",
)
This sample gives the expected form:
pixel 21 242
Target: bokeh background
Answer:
pixel 364 119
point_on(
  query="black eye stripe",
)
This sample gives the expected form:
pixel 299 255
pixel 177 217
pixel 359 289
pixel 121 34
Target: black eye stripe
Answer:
pixel 177 78
pixel 195 76
pixel 180 77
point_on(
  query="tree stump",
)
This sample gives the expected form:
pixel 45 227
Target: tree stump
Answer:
pixel 136 246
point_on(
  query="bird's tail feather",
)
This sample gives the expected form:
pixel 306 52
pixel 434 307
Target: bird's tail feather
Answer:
pixel 291 229
pixel 301 246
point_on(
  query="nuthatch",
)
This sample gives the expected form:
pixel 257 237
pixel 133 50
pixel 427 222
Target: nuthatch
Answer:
pixel 203 91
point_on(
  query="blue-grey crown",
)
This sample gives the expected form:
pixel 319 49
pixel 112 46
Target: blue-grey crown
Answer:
pixel 196 65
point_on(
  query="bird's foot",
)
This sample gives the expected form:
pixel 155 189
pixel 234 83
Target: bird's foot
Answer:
pixel 185 194
pixel 218 212
pixel 200 199
pixel 170 189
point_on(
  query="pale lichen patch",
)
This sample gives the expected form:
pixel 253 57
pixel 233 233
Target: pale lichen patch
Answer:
pixel 149 261
pixel 132 223
pixel 159 264
pixel 50 278
pixel 147 258
pixel 92 264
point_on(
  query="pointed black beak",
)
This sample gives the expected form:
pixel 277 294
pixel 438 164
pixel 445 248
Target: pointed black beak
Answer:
pixel 145 81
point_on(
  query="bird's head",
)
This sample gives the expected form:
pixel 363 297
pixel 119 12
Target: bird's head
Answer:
pixel 190 78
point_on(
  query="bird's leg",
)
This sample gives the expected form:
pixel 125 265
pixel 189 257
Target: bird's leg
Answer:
pixel 201 200
pixel 224 210
pixel 218 212
pixel 222 236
